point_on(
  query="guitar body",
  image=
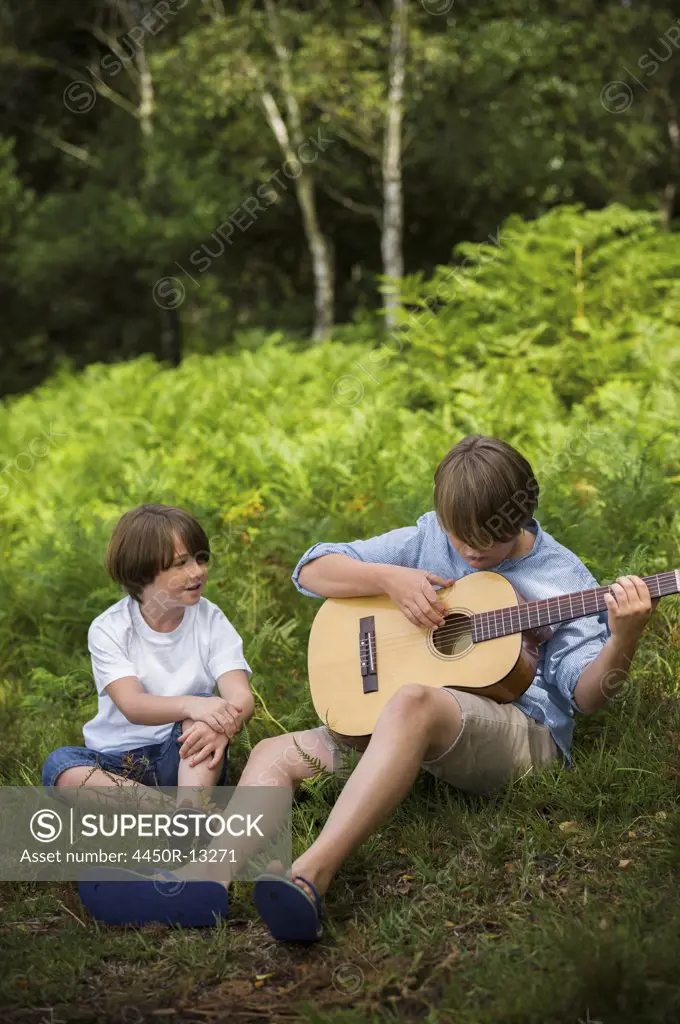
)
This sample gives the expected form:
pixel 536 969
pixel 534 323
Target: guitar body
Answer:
pixel 400 653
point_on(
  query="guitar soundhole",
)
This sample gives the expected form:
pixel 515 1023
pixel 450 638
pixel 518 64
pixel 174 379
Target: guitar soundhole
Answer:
pixel 454 637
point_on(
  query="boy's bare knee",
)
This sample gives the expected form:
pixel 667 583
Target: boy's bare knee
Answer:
pixel 408 700
pixel 291 757
pixel 69 777
pixel 75 776
pixel 268 747
pixel 267 759
pixel 413 707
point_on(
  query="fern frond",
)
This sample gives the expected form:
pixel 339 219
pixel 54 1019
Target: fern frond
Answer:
pixel 313 762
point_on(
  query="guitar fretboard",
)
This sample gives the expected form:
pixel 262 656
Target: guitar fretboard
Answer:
pixel 502 621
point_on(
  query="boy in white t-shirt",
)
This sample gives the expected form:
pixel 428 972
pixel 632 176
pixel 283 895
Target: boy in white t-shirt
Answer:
pixel 157 655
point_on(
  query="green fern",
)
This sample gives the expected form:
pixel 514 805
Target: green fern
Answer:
pixel 314 763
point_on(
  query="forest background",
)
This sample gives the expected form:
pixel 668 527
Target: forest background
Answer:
pixel 177 177
pixel 268 262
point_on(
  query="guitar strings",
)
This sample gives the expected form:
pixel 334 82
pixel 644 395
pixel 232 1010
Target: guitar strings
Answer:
pixel 453 632
pixel 448 635
pixel 591 596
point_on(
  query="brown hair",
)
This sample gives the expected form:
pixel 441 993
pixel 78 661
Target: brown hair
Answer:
pixel 484 491
pixel 142 545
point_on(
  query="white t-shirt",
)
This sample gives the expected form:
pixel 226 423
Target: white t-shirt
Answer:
pixel 186 661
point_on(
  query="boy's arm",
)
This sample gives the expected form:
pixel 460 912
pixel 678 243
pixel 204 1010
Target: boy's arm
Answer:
pixel 343 576
pixel 385 564
pixel 412 590
pixel 229 668
pixel 629 607
pixel 142 708
pixel 356 568
pixel 235 688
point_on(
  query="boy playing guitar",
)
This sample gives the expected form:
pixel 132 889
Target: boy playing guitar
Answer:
pixel 485 494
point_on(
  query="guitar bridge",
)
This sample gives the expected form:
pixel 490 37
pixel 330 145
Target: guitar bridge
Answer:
pixel 367 653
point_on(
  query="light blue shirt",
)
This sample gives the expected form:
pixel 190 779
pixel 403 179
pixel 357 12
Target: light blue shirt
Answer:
pixel 548 570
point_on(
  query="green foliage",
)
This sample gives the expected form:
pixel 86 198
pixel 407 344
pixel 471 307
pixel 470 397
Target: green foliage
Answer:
pixel 509 908
pixel 571 300
pixel 274 447
pixel 505 111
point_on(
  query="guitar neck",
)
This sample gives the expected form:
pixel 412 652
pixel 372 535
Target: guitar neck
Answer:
pixel 502 621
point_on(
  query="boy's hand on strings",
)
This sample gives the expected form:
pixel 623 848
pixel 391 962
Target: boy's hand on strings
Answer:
pixel 199 742
pixel 412 590
pixel 629 606
pixel 220 714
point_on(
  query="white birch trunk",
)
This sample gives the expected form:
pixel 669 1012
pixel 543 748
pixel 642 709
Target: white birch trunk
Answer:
pixel 290 138
pixel 140 75
pixel 319 249
pixel 391 242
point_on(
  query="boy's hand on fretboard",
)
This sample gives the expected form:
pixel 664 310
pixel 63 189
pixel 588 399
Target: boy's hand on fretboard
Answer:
pixel 629 606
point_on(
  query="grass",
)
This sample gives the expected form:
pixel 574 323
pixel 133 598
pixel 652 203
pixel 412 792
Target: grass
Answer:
pixel 553 900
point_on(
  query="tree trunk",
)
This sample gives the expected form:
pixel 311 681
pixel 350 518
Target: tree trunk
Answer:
pixel 140 75
pixel 171 336
pixel 671 189
pixel 142 80
pixel 322 264
pixel 391 242
pixel 290 138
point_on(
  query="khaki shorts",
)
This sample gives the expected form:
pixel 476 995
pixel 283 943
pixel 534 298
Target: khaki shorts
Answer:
pixel 497 743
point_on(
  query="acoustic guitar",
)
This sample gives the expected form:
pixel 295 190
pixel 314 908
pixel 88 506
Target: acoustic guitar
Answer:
pixel 363 649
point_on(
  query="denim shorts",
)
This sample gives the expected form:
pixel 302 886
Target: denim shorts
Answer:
pixel 156 764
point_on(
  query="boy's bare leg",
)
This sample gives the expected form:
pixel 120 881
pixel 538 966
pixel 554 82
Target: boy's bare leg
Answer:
pixel 275 761
pixel 199 775
pixel 75 782
pixel 418 723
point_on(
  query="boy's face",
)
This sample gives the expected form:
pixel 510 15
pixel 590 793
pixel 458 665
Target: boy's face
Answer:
pixel 485 558
pixel 180 585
